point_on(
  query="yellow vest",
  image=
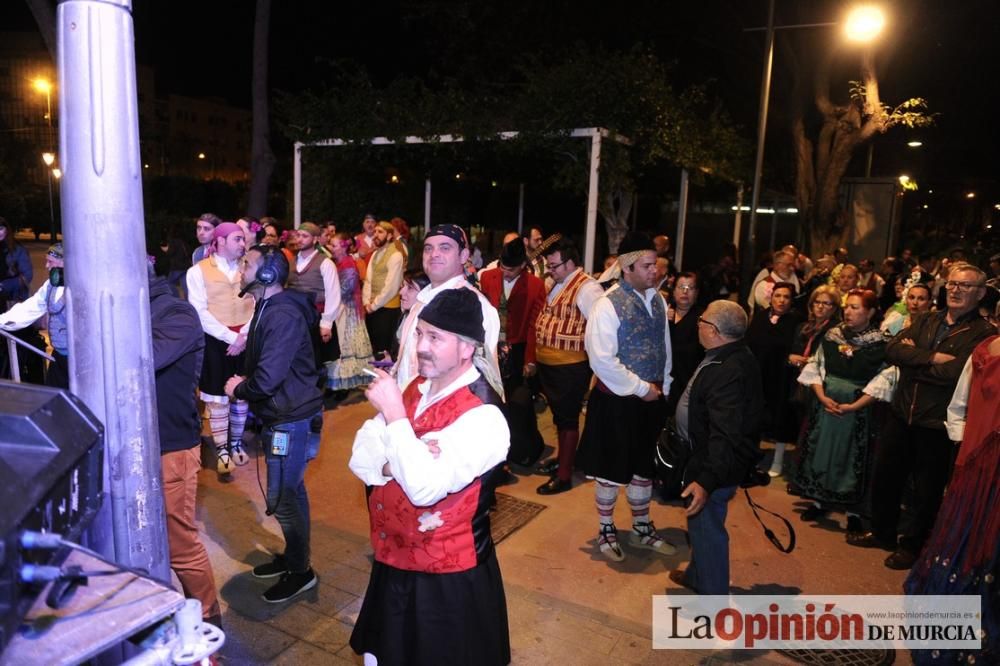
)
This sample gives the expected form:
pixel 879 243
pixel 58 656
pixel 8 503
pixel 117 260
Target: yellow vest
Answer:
pixel 224 302
pixel 378 271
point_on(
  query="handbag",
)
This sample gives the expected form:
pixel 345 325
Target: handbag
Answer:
pixel 672 455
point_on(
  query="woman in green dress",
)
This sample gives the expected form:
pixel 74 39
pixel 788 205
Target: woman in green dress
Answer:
pixel 837 443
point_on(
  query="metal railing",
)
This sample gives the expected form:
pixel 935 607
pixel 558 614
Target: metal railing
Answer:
pixel 15 365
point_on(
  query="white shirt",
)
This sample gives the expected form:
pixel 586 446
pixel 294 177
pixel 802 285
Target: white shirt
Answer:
pixel 27 312
pixel 588 294
pixel 198 297
pixel 959 405
pixel 761 294
pixel 406 364
pixel 472 445
pixel 393 278
pixel 331 287
pixel 601 342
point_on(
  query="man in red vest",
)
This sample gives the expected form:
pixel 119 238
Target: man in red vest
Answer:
pixel 429 459
pixel 519 297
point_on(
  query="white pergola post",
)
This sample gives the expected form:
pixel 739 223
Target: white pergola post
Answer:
pixel 520 209
pixel 682 214
pixel 591 228
pixel 427 204
pixel 297 184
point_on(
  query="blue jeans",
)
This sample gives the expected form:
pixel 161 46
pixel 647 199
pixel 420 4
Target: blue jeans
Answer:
pixel 286 487
pixel 708 572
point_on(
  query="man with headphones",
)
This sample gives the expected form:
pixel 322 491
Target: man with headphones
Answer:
pixel 281 385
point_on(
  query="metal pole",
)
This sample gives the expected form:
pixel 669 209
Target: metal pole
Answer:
pixel 591 229
pixel 682 214
pixel 110 349
pixel 774 228
pixel 871 154
pixel 297 185
pixel 427 204
pixel 748 250
pixel 520 208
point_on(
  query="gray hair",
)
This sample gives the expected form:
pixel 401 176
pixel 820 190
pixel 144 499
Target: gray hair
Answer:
pixel 728 317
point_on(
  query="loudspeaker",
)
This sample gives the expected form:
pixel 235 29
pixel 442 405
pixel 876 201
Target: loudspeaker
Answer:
pixel 51 450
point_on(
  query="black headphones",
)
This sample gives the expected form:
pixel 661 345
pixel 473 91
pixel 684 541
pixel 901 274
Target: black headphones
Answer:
pixel 267 274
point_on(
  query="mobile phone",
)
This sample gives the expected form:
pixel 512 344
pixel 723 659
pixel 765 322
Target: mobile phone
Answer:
pixel 279 443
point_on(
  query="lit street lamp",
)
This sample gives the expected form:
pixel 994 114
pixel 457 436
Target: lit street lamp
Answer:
pixel 49 159
pixel 43 86
pixel 863 24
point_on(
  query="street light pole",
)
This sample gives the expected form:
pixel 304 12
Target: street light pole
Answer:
pixel 747 250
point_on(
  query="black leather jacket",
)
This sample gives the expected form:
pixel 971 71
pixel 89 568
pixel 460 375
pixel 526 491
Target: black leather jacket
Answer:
pixel 282 379
pixel 924 390
pixel 724 418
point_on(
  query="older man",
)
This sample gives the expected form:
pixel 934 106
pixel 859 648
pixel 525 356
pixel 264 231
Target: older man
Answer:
pixel 430 459
pixel 782 270
pixel 628 343
pixel 930 354
pixel 719 414
pixel 365 241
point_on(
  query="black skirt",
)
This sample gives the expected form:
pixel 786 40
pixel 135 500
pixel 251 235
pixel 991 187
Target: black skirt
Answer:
pixel 619 436
pixel 410 618
pixel 217 368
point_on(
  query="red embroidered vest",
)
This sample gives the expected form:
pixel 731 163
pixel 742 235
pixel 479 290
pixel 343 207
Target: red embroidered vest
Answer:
pixel 462 536
pixel 561 324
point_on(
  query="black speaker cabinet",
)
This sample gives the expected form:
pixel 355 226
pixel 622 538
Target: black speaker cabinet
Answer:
pixel 51 449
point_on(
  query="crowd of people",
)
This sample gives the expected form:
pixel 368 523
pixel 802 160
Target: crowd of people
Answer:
pixel 874 388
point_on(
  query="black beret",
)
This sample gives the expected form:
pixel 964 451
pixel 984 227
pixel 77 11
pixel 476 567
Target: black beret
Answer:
pixel 456 311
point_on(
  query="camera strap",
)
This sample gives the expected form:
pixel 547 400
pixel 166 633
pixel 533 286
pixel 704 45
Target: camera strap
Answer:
pixel 767 531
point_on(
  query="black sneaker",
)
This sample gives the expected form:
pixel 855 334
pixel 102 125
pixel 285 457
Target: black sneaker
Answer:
pixel 275 567
pixel 291 585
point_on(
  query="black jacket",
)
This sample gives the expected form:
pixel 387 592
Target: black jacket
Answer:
pixel 924 390
pixel 282 379
pixel 178 350
pixel 725 410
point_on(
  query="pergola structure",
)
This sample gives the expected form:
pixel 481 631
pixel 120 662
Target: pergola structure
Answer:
pixel 595 134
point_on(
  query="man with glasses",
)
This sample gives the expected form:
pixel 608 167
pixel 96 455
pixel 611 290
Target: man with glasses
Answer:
pixel 719 415
pixel 930 354
pixel 563 368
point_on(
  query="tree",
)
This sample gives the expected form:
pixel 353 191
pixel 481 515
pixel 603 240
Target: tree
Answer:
pixel 823 149
pixel 261 155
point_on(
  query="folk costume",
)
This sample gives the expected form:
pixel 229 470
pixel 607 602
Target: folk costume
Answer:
pixel 628 344
pixel 963 550
pixel 355 348
pixel 381 293
pixel 314 274
pixel 213 287
pixel 563 368
pixel 436 594
pixel 518 304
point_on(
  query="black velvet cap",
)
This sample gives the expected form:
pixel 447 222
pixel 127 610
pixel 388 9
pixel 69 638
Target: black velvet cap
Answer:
pixel 456 311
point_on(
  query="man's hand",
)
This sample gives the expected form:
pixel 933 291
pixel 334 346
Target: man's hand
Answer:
pixel 530 369
pixel 698 495
pixel 385 396
pixel 653 394
pixel 238 346
pixel 940 358
pixel 231 385
pixel 325 334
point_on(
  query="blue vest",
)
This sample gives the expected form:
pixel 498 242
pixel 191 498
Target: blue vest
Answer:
pixel 641 346
pixel 58 328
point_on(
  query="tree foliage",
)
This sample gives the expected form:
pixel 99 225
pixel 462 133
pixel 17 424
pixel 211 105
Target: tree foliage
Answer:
pixel 629 93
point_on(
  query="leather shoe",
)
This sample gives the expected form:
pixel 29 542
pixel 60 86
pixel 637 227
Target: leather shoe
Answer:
pixel 854 525
pixel 813 513
pixel 868 540
pixel 548 467
pixel 679 577
pixel 554 486
pixel 901 560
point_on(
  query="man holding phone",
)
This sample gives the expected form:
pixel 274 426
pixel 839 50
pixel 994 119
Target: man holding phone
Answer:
pixel 281 386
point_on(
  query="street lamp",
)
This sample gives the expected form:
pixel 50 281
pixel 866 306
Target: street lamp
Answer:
pixel 863 24
pixel 43 86
pixel 49 159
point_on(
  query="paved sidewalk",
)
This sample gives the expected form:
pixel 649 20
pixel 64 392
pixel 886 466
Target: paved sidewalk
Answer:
pixel 566 603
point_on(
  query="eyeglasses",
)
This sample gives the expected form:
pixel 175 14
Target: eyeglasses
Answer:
pixel 961 286
pixel 826 304
pixel 685 287
pixel 702 320
pixel 552 267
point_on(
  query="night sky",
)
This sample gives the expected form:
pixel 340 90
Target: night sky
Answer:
pixel 947 52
